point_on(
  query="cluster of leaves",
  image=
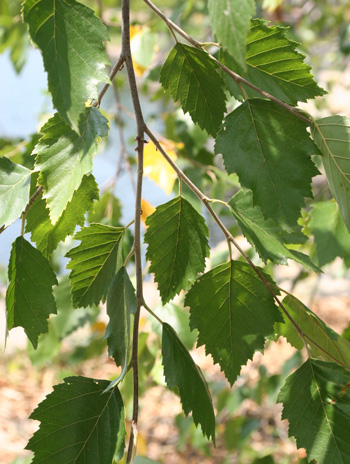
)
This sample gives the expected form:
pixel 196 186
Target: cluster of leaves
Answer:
pixel 235 307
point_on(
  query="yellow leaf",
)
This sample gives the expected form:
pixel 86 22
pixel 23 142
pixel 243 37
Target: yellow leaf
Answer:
pixel 135 29
pixel 147 209
pixel 157 168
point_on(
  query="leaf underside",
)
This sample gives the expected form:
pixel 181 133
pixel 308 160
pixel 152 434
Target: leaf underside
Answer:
pixel 234 313
pixel 79 424
pixel 93 263
pixel 177 239
pixel 70 38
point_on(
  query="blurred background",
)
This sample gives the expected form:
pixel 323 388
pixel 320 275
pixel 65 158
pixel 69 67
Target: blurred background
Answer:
pixel 248 420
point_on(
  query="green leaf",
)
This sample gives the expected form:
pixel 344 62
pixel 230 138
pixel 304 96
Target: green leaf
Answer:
pixel 47 236
pixel 177 239
pixel 332 136
pixel 263 233
pixel 180 371
pixel 78 424
pixel 121 302
pixel 64 157
pixel 324 341
pixel 70 38
pixel 14 190
pixel 234 313
pixel 331 235
pixel 93 263
pixel 29 299
pixel 269 149
pixel 316 402
pixel 274 65
pixel 191 77
pixel 230 22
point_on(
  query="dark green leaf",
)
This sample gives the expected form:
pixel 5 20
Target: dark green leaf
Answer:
pixel 234 313
pixel 177 246
pixel 14 190
pixel 180 371
pixel 121 302
pixel 70 38
pixel 93 263
pixel 47 236
pixel 274 65
pixel 269 149
pixel 316 402
pixel 78 424
pixel 332 136
pixel 191 77
pixel 107 210
pixel 263 233
pixel 29 298
pixel 324 342
pixel 230 22
pixel 331 236
pixel 64 157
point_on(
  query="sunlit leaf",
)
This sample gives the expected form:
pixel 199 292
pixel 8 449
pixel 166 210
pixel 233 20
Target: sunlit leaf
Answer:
pixel 14 190
pixel 234 313
pixel 47 236
pixel 191 77
pixel 64 157
pixel 78 423
pixel 70 38
pixel 177 239
pixel 29 299
pixel 147 209
pixel 180 371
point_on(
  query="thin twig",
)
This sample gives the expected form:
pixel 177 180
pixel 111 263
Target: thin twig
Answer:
pixel 117 67
pixel 236 77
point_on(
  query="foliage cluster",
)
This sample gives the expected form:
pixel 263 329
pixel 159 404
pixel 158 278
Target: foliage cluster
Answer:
pixel 238 93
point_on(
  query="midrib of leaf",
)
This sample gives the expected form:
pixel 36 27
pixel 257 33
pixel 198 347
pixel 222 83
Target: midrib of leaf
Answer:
pixel 177 243
pixel 14 185
pixel 199 86
pixel 262 152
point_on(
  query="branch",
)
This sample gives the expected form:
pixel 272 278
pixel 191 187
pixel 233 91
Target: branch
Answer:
pixel 236 77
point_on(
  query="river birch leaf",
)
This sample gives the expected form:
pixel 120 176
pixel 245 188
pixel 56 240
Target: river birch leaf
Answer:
pixel 270 150
pixel 47 236
pixel 230 22
pixel 332 136
pixel 14 190
pixel 263 233
pixel 323 341
pixel 181 371
pixel 234 314
pixel 29 298
pixel 63 157
pixel 177 239
pixel 70 38
pixel 93 263
pixel 274 65
pixel 79 424
pixel 121 302
pixel 191 77
pixel 316 402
